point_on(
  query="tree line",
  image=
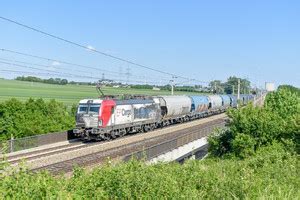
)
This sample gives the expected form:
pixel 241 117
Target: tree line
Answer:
pixel 216 86
pixel 57 81
pixel 231 86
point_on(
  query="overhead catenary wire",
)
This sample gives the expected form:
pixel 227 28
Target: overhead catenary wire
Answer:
pixel 29 63
pixel 68 63
pixel 45 70
pixel 56 60
pixel 86 47
pixel 48 74
pixel 49 66
pixel 27 72
pixel 62 73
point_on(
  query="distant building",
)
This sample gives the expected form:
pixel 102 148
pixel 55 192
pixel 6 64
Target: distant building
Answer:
pixel 156 88
pixel 270 86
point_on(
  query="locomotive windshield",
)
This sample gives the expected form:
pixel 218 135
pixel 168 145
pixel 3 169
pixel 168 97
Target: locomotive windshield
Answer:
pixel 82 108
pixel 94 108
pixel 89 108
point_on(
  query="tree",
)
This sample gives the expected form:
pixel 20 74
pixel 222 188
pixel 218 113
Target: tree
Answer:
pixel 232 83
pixel 64 82
pixel 216 86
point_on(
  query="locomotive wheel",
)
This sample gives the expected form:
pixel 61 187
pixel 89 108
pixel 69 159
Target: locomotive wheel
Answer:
pixel 123 132
pixel 152 127
pixel 146 128
pixel 114 134
pixel 107 136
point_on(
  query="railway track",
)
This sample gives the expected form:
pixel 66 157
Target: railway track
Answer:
pixel 121 151
pixel 45 152
pixel 31 155
pixel 62 159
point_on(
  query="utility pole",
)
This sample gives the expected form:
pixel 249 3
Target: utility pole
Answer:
pixel 172 84
pixel 232 89
pixel 127 75
pixel 215 87
pixel 238 92
pixel 120 73
pixel 172 87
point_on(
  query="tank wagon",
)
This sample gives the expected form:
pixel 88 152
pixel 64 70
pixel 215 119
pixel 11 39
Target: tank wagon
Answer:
pixel 215 103
pixel 246 98
pixel 200 106
pixel 174 106
pixel 225 101
pixel 106 119
pixel 233 101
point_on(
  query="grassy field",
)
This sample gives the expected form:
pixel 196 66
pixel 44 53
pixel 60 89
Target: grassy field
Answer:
pixel 67 94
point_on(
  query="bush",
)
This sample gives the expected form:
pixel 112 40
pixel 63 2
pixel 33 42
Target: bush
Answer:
pixel 292 89
pixel 220 143
pixel 271 173
pixel 251 128
pixel 283 102
pixel 243 145
pixel 33 117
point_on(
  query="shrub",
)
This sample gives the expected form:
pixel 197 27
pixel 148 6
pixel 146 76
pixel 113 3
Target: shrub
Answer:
pixel 33 117
pixel 283 102
pixel 270 173
pixel 251 128
pixel 220 142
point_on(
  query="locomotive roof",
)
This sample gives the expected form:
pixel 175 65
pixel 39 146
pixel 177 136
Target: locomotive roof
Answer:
pixel 91 101
pixel 134 101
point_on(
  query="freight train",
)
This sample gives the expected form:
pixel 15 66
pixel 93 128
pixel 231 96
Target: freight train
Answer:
pixel 105 119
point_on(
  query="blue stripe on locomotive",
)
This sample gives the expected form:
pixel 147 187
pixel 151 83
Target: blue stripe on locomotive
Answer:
pixel 200 103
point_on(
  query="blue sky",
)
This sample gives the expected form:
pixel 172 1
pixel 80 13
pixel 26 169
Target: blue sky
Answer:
pixel 258 40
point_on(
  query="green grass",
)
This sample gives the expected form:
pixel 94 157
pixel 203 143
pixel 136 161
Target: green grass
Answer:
pixel 68 94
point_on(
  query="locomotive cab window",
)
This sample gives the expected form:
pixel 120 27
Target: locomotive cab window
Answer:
pixel 82 108
pixel 94 108
pixel 89 108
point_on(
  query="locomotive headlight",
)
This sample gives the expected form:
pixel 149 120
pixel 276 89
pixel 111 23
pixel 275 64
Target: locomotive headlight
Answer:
pixel 100 122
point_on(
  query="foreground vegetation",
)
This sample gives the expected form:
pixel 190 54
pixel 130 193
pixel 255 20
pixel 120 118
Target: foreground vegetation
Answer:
pixel 252 127
pixel 257 157
pixel 270 174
